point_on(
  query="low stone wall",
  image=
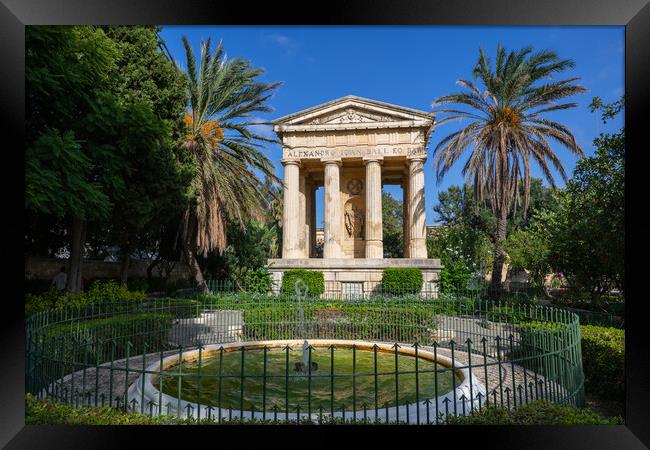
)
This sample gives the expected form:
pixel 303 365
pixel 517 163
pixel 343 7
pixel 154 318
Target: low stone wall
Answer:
pixel 352 277
pixel 38 268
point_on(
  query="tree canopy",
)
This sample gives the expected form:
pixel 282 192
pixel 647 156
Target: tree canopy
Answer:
pixel 104 107
pixel 586 234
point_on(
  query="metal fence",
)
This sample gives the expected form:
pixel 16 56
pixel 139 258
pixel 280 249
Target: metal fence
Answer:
pixel 227 356
pixel 522 293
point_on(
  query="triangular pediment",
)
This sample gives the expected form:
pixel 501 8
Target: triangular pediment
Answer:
pixel 353 110
pixel 348 115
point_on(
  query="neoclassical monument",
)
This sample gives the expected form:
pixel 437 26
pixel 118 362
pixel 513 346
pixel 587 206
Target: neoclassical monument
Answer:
pixel 352 146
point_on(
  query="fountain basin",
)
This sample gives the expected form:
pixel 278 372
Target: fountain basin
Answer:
pixel 355 386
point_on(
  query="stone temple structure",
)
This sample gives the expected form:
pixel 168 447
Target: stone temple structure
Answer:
pixel 352 146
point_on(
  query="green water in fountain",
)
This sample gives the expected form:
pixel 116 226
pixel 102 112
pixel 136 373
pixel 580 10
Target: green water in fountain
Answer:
pixel 203 386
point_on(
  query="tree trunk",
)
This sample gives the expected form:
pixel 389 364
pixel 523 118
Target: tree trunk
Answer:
pixel 496 286
pixel 193 264
pixel 150 268
pixel 124 267
pixel 77 243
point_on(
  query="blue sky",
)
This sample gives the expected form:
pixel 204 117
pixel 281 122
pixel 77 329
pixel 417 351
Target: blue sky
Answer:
pixel 412 66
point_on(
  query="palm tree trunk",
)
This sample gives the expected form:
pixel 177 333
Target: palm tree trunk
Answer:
pixel 499 256
pixel 77 243
pixel 193 263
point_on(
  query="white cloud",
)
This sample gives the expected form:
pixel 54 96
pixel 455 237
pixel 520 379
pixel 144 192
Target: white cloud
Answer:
pixel 288 44
pixel 262 129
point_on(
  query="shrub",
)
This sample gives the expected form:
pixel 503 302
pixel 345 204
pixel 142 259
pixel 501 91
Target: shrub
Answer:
pixel 397 281
pixel 539 412
pixel 40 302
pixel 603 361
pixel 536 338
pixel 109 292
pixel 258 280
pixel 46 412
pixel 314 280
pixel 99 292
pixel 454 277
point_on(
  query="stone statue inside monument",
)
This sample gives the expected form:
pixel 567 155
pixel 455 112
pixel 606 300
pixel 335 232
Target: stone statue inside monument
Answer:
pixel 354 221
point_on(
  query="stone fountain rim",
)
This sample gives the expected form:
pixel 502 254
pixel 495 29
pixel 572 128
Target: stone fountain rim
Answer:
pixel 152 394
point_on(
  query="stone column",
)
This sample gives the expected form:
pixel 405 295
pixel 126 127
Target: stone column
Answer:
pixel 406 223
pixel 312 221
pixel 417 211
pixel 303 226
pixel 291 209
pixel 332 247
pixel 374 232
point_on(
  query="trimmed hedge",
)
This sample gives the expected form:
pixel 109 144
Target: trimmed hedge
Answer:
pixel 397 281
pixel 539 412
pixel 92 341
pixel 341 321
pixel 314 280
pixel 603 361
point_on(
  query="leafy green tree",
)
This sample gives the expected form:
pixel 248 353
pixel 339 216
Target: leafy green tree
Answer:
pixel 392 212
pixel 223 96
pixel 586 234
pixel 529 250
pixel 507 131
pixel 160 175
pixel 68 71
pixel 93 135
pixel 461 244
pixel 457 205
pixel 468 230
pixel 249 248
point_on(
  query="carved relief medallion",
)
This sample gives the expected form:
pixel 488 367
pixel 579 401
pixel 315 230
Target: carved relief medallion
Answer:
pixel 355 186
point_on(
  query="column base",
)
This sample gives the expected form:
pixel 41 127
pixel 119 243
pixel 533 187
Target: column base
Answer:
pixel 374 249
pixel 418 248
pixel 332 250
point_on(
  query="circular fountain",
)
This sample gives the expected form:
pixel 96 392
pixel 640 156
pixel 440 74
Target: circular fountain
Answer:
pixel 257 379
pixel 292 357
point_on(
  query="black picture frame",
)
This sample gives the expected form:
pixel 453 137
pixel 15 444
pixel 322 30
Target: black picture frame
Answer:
pixel 633 14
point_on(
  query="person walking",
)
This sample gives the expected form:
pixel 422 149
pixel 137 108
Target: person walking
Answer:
pixel 60 280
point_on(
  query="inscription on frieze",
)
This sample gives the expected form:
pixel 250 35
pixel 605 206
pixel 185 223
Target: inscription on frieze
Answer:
pixel 317 153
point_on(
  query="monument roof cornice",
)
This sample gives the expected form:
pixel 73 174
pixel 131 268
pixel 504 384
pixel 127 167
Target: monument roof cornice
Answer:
pixel 354 126
pixel 352 112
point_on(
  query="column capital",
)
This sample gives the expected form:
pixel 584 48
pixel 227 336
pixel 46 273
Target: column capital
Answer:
pixel 369 159
pixel 328 161
pixel 287 162
pixel 416 158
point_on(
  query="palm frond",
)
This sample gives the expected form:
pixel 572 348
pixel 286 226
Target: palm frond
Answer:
pixel 223 93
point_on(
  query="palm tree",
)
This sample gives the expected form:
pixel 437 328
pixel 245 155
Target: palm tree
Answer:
pixel 223 96
pixel 507 131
